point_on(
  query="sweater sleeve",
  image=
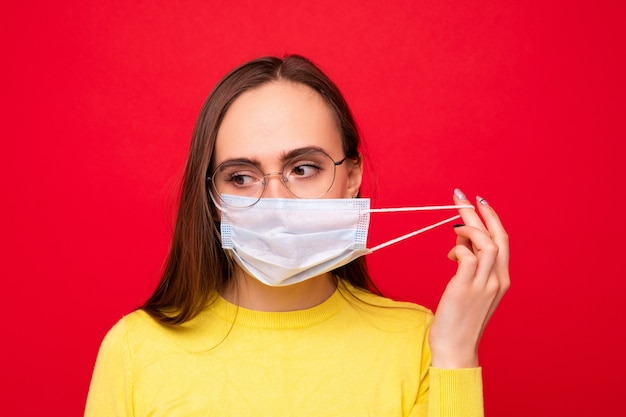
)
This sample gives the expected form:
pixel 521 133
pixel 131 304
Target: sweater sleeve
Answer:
pixel 110 392
pixel 455 393
pixel 448 392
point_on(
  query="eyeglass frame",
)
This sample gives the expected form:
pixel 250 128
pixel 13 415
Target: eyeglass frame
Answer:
pixel 283 179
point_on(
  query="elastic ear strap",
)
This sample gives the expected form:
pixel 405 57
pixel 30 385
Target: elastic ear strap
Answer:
pixel 417 232
pixel 423 208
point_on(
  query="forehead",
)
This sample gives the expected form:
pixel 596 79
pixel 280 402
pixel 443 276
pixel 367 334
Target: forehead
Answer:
pixel 275 118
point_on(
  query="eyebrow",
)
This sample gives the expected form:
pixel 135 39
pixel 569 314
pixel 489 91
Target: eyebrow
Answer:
pixel 284 157
pixel 299 151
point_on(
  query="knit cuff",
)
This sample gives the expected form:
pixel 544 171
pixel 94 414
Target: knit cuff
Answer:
pixel 456 392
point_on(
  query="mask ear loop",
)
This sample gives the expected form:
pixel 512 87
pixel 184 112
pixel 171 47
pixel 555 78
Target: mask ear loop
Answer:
pixel 422 230
pixel 421 208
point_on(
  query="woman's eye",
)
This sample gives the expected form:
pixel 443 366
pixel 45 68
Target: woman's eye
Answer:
pixel 241 180
pixel 304 170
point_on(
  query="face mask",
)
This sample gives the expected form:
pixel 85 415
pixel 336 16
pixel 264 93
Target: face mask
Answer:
pixel 285 241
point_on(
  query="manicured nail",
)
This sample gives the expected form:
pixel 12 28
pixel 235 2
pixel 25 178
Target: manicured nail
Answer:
pixel 457 225
pixel 482 200
pixel 459 194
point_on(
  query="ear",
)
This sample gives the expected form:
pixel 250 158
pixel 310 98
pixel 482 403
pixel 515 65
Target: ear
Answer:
pixel 355 176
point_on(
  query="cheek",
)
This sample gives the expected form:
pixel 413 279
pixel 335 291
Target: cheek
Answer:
pixel 339 188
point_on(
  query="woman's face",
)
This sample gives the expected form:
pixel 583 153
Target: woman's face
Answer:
pixel 269 124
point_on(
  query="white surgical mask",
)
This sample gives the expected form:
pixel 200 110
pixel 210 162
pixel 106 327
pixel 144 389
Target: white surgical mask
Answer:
pixel 283 241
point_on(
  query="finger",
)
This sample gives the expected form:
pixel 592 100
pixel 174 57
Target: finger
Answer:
pixel 470 216
pixel 467 263
pixel 500 237
pixel 485 249
pixel 502 289
pixel 465 277
pixel 462 240
pixel 496 230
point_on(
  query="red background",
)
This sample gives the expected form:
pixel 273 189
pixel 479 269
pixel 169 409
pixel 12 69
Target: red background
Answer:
pixel 518 101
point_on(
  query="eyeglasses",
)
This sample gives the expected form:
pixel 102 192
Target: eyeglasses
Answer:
pixel 308 175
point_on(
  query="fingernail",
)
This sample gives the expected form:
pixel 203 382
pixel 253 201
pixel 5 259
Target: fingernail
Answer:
pixel 482 200
pixel 459 194
pixel 457 225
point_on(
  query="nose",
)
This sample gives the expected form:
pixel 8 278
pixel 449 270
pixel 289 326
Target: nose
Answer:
pixel 275 187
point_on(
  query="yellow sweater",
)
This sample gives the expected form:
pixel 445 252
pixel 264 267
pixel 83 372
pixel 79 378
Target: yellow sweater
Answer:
pixel 356 354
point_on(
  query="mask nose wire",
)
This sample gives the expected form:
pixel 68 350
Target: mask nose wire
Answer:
pixel 422 230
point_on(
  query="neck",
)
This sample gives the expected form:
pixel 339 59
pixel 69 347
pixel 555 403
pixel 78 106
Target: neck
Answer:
pixel 250 293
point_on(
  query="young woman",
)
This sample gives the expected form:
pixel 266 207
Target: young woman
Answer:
pixel 266 307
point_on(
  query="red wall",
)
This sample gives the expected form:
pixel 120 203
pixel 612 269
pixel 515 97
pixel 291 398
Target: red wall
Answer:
pixel 520 102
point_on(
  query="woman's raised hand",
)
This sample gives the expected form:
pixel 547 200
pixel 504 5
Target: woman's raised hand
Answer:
pixel 474 292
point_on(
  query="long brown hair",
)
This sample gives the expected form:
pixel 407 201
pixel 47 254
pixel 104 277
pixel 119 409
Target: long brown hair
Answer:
pixel 197 267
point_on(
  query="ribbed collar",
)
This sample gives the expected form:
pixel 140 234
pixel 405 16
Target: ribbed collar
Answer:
pixel 278 320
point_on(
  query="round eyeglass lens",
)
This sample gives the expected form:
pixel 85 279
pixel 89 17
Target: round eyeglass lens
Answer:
pixel 239 179
pixel 309 175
